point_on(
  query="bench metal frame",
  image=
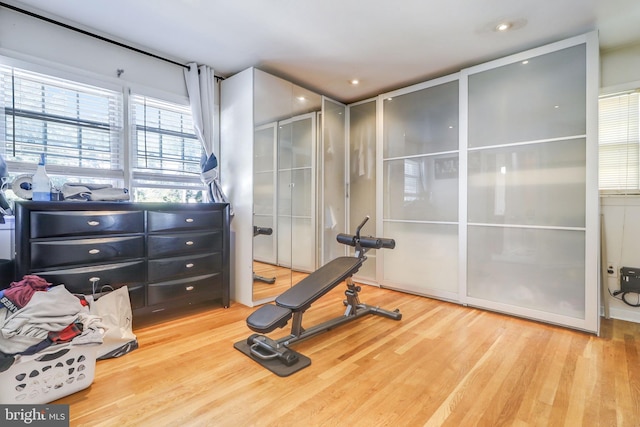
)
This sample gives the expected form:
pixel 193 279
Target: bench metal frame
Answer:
pixel 266 348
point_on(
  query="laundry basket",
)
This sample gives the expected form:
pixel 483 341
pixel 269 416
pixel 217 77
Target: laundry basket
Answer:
pixel 48 375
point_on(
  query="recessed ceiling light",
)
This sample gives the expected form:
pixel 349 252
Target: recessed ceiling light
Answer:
pixel 525 62
pixel 354 81
pixel 504 25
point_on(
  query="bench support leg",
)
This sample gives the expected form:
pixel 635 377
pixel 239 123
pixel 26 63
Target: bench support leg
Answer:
pixel 296 326
pixel 355 309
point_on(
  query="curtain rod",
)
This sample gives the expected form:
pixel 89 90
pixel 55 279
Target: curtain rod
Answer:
pixel 87 33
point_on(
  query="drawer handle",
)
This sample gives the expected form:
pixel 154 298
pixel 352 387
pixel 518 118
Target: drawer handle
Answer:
pixel 189 243
pixel 93 223
pixel 190 265
pixel 94 251
pixel 189 220
pixel 189 288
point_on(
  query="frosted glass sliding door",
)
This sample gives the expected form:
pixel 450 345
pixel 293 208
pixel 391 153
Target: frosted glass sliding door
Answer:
pixel 264 191
pixel 362 178
pixel 531 212
pixel 296 192
pixel 333 171
pixel 420 184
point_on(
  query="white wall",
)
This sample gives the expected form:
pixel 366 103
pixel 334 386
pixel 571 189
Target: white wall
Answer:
pixel 620 69
pixel 620 66
pixel 622 237
pixel 76 56
pixel 30 39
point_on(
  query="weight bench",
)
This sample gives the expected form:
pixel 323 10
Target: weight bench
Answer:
pixel 276 355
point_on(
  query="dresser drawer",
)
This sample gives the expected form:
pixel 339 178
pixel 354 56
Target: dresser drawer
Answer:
pixel 207 287
pixel 78 280
pixel 193 265
pixel 163 245
pixel 158 221
pixel 85 251
pixel 78 223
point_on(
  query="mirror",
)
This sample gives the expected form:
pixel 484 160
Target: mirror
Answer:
pixel 284 182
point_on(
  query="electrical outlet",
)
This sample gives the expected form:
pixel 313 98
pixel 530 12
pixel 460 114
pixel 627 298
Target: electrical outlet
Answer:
pixel 612 270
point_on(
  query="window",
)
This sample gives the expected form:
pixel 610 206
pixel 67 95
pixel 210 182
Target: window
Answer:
pixel 619 139
pixel 77 126
pixel 166 152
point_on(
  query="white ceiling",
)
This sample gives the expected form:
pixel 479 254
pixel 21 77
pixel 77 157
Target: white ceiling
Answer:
pixel 322 45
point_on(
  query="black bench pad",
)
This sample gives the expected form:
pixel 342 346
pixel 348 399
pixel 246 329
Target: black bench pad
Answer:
pixel 267 318
pixel 304 293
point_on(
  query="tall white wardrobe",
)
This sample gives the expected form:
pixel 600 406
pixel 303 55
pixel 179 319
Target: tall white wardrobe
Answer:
pixel 283 167
pixel 487 180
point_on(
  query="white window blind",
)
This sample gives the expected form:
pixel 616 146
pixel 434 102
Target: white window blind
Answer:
pixel 77 126
pixel 619 139
pixel 166 150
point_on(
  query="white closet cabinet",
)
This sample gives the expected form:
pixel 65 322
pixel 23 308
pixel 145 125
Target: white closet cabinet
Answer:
pixel 265 144
pixel 531 188
pixel 296 196
pixel 489 185
pixel 267 169
pixel 362 178
pixel 419 183
pixel 333 177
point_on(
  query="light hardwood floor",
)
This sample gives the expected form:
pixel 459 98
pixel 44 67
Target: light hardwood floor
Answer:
pixel 441 365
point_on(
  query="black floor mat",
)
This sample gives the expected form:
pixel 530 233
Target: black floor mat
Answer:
pixel 274 365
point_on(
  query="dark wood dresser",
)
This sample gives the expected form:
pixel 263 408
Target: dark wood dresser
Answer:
pixel 170 255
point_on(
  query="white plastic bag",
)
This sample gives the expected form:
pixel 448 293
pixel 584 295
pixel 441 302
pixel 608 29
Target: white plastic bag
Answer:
pixel 114 308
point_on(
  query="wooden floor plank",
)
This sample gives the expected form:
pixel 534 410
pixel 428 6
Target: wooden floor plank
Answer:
pixel 441 365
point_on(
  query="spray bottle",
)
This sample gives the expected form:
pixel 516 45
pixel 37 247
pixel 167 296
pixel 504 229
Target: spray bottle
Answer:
pixel 40 183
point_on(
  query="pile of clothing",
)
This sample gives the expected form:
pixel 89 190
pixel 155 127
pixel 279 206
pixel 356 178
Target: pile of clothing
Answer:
pixel 34 315
pixel 93 192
